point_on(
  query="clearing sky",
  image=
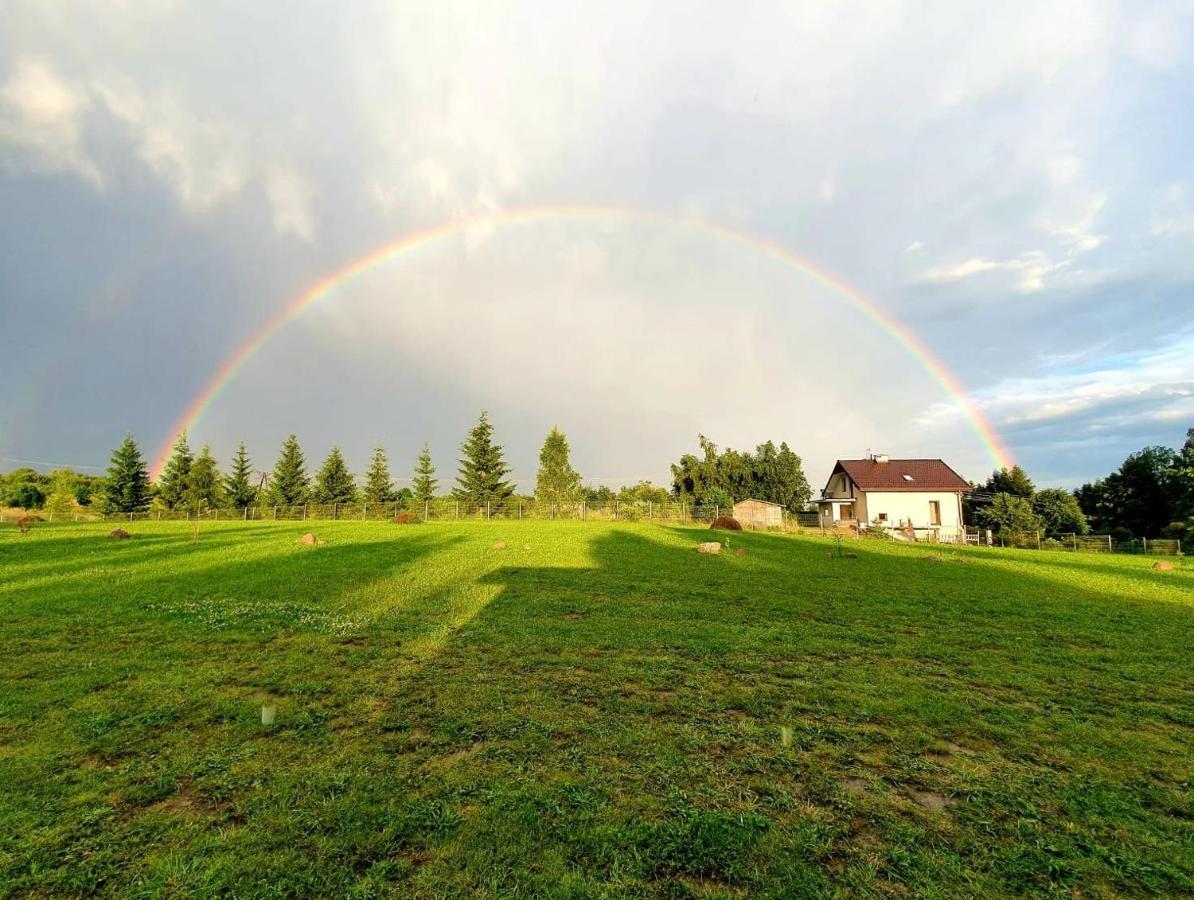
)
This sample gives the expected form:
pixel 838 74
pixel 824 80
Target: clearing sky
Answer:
pixel 995 198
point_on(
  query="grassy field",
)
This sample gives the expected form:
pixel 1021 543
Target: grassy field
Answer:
pixel 595 710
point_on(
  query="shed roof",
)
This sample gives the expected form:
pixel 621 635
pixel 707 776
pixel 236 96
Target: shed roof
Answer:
pixel 901 475
pixel 753 500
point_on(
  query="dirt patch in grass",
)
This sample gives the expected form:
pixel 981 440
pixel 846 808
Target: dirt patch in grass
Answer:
pixel 856 786
pixel 447 760
pixel 931 800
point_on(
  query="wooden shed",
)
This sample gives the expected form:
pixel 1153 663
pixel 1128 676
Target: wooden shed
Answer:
pixel 759 514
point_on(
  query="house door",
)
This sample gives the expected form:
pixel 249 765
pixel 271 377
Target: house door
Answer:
pixel 934 512
pixel 847 510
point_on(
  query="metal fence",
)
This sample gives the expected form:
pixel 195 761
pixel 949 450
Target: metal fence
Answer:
pixel 443 510
pixel 1086 543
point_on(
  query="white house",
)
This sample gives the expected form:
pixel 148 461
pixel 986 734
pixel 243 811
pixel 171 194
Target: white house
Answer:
pixel 922 495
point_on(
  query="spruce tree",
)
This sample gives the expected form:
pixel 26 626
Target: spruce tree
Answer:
pixel 425 483
pixel 238 486
pixel 204 485
pixel 558 482
pixel 172 483
pixel 127 485
pixel 289 482
pixel 379 487
pixel 482 469
pixel 334 483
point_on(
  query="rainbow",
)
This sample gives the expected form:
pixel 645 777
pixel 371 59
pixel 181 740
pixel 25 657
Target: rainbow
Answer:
pixel 321 289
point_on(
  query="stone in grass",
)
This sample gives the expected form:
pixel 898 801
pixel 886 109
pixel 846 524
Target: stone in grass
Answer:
pixel 709 547
pixel 308 540
pixel 268 714
pixel 119 534
pixel 499 545
pixel 1163 565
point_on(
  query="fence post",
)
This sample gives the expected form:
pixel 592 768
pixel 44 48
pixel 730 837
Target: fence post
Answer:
pixel 615 509
pixel 246 513
pixel 717 510
pixel 650 509
pixel 275 512
pixel 1110 549
pixel 1038 539
pixel 1145 540
pixel 426 508
pixel 304 512
pixel 335 510
pixel 520 510
pixel 458 509
pixel 486 510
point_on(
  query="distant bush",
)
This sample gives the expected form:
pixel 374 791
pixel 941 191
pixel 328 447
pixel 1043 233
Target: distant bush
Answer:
pixel 877 530
pixel 405 518
pixel 726 523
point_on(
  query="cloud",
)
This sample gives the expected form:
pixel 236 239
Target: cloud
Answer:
pixel 1174 217
pixel 290 200
pixel 41 122
pixel 196 156
pixel 958 272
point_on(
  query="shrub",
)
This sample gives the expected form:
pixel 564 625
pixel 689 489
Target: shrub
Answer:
pixel 405 518
pixel 726 523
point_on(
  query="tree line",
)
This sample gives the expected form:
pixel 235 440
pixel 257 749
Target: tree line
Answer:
pixel 1151 495
pixel 191 480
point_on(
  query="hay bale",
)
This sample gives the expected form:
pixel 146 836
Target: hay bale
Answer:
pixel 709 547
pixel 119 534
pixel 1163 565
pixel 308 540
pixel 726 523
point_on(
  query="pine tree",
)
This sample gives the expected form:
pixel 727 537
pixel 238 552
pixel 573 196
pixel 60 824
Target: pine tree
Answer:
pixel 289 483
pixel 238 486
pixel 379 486
pixel 334 483
pixel 558 482
pixel 172 483
pixel 204 485
pixel 482 468
pixel 127 485
pixel 425 483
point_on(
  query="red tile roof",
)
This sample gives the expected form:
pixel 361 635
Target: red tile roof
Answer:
pixel 924 475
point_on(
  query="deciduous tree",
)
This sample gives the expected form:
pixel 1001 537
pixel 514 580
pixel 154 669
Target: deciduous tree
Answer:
pixel 557 482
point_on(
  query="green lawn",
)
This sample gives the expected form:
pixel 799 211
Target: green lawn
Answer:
pixel 595 710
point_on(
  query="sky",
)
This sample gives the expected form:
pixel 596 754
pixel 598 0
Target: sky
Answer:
pixel 1009 186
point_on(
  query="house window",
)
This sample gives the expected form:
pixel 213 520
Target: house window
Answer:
pixel 934 512
pixel 907 477
pixel 882 517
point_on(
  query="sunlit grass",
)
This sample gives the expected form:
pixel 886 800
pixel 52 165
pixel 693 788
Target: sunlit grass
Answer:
pixel 594 710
